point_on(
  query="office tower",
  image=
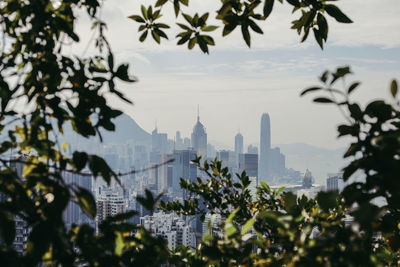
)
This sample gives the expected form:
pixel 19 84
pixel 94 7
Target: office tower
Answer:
pixel 159 143
pixel 178 141
pixel 334 182
pixel 199 139
pixel 248 163
pixel 239 144
pixel 164 172
pixel 211 152
pixel 228 159
pixel 186 143
pixel 223 155
pixel 252 149
pixel 154 140
pixel 183 168
pixel 277 160
pixel 73 214
pixel 265 149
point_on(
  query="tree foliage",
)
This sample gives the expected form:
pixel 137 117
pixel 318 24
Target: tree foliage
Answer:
pixel 274 228
pixel 237 14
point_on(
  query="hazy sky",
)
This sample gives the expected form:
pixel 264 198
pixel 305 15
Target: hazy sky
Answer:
pixel 234 85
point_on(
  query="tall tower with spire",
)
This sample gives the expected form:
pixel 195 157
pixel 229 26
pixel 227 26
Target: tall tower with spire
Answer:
pixel 238 145
pixel 264 168
pixel 199 137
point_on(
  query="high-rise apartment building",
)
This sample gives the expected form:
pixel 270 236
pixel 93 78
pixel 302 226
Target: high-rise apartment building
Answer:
pixel 109 203
pixel 21 229
pixel 170 226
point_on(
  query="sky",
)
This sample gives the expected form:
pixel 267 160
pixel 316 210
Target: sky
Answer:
pixel 234 85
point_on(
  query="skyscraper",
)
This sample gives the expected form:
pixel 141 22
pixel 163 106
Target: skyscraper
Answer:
pixel 249 163
pixel 178 140
pixel 199 138
pixel 73 214
pixel 265 149
pixel 238 144
pixel 183 167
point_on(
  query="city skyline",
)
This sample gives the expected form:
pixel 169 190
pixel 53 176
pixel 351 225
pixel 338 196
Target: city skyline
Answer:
pixel 235 83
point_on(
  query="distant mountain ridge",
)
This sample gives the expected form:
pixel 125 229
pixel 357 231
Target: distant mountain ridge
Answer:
pixel 126 131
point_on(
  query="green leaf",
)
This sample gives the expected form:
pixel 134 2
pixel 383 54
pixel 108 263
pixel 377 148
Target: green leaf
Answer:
pixel 318 38
pixel 254 26
pixel 355 111
pixel 265 186
pixel 156 37
pixel 143 36
pixel 393 88
pixel 184 27
pixel 353 87
pixel 119 244
pixel 232 215
pixel 7 227
pixel 137 18
pixel 161 2
pixel 289 200
pixel 327 200
pixel 294 3
pixel 79 159
pixel 247 226
pixel 336 13
pixel 192 42
pixel 148 201
pixel 230 230
pixel 188 18
pixel 209 28
pixel 144 12
pixel 86 201
pixel 280 190
pixel 352 150
pixel 268 5
pixel 311 89
pixel 246 34
pixel 323 100
pixel 229 28
pixel 322 26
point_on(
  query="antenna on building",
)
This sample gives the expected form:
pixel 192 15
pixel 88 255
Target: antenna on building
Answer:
pixel 198 112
